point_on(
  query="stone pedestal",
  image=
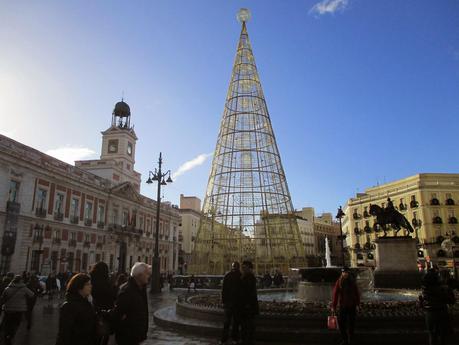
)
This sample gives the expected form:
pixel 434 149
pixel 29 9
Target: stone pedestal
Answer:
pixel 396 263
pixel 315 292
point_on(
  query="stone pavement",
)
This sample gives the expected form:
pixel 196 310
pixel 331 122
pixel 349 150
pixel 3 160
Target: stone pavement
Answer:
pixel 45 326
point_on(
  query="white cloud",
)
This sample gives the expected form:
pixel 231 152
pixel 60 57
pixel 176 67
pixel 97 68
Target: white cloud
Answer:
pixel 70 154
pixel 328 6
pixel 191 164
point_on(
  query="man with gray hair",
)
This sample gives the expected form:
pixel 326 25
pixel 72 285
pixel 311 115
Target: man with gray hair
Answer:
pixel 131 307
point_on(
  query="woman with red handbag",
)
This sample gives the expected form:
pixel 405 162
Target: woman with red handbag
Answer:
pixel 346 298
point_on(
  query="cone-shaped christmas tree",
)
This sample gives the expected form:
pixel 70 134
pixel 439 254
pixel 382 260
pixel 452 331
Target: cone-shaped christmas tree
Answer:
pixel 247 210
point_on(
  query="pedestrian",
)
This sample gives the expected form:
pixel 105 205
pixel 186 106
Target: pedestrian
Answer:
pixel 267 280
pixel 278 279
pixel 434 300
pixel 34 286
pixel 130 315
pixel 51 285
pixel 120 280
pixel 192 284
pixel 103 297
pixel 77 318
pixel 14 301
pixel 6 280
pixel 248 303
pixel 346 297
pixel 231 295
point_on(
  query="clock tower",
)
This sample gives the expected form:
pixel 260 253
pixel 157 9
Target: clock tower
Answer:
pixel 117 158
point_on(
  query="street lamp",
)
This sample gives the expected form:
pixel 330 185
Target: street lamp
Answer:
pixel 340 215
pixel 158 176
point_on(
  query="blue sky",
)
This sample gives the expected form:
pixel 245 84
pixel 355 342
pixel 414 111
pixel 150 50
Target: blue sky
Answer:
pixel 359 92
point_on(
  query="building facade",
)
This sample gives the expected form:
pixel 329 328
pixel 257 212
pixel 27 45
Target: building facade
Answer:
pixel 314 229
pixel 428 201
pixel 190 212
pixel 59 217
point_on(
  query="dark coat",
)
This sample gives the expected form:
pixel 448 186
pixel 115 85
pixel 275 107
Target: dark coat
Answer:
pixel 345 295
pixel 249 298
pixel 130 315
pixel 435 297
pixel 103 297
pixel 77 322
pixel 231 290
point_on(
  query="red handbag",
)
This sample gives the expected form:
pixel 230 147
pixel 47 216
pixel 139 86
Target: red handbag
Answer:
pixel 332 322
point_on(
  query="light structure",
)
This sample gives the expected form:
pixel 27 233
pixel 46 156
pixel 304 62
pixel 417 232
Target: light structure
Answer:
pixel 247 209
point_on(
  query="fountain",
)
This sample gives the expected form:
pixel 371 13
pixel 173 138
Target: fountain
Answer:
pixel 327 253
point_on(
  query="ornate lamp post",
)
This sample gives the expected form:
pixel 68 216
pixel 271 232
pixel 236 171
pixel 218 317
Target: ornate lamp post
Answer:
pixel 340 215
pixel 158 176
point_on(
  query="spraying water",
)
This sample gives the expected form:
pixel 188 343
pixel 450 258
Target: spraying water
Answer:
pixel 327 253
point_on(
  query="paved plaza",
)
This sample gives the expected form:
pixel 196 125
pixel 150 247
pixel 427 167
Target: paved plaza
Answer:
pixel 45 326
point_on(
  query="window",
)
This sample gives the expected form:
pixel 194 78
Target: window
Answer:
pixel 450 213
pixel 56 234
pixel 41 198
pixel 141 223
pixel 75 204
pixel 59 206
pixel 129 150
pixel 148 224
pixel 115 216
pixel 73 236
pixel 101 214
pixel 113 146
pixel 14 189
pixel 87 238
pixel 88 210
pixel 125 218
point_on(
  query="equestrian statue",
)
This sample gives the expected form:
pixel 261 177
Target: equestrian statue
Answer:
pixel 390 216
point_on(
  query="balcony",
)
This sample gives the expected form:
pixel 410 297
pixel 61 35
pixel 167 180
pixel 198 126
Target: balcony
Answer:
pixel 356 215
pixel 88 222
pixel 402 207
pixel 434 202
pixel 58 216
pixel 74 219
pixel 414 204
pixel 56 241
pixel 357 231
pixel 37 239
pixel 100 225
pixel 40 212
pixel 452 220
pixel 13 207
pixel 72 243
pixel 449 202
pixel 367 229
pixel 366 214
pixel 437 220
pixel 87 244
pixel 416 222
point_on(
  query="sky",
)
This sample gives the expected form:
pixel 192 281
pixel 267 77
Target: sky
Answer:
pixel 359 92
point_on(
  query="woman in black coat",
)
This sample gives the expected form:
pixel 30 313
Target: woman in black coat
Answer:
pixel 102 290
pixel 77 319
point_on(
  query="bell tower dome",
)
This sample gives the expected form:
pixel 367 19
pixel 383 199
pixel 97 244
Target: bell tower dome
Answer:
pixel 117 158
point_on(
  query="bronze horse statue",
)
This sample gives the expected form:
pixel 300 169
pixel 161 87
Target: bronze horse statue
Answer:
pixel 390 216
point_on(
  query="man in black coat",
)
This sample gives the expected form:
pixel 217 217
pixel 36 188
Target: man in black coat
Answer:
pixel 248 303
pixel 230 297
pixel 131 307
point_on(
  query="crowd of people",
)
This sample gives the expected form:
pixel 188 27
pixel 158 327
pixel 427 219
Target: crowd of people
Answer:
pixel 100 308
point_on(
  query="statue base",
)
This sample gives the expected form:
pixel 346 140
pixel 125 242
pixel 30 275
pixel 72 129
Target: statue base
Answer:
pixel 396 263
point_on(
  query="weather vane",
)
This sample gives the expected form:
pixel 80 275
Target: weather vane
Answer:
pixel 243 15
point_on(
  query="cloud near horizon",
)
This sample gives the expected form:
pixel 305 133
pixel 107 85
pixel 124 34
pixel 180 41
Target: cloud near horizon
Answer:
pixel 70 154
pixel 191 164
pixel 328 6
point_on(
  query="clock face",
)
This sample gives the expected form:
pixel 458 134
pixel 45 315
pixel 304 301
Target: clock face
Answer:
pixel 129 149
pixel 113 146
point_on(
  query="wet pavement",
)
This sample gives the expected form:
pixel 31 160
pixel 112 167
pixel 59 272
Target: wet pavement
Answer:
pixel 45 324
